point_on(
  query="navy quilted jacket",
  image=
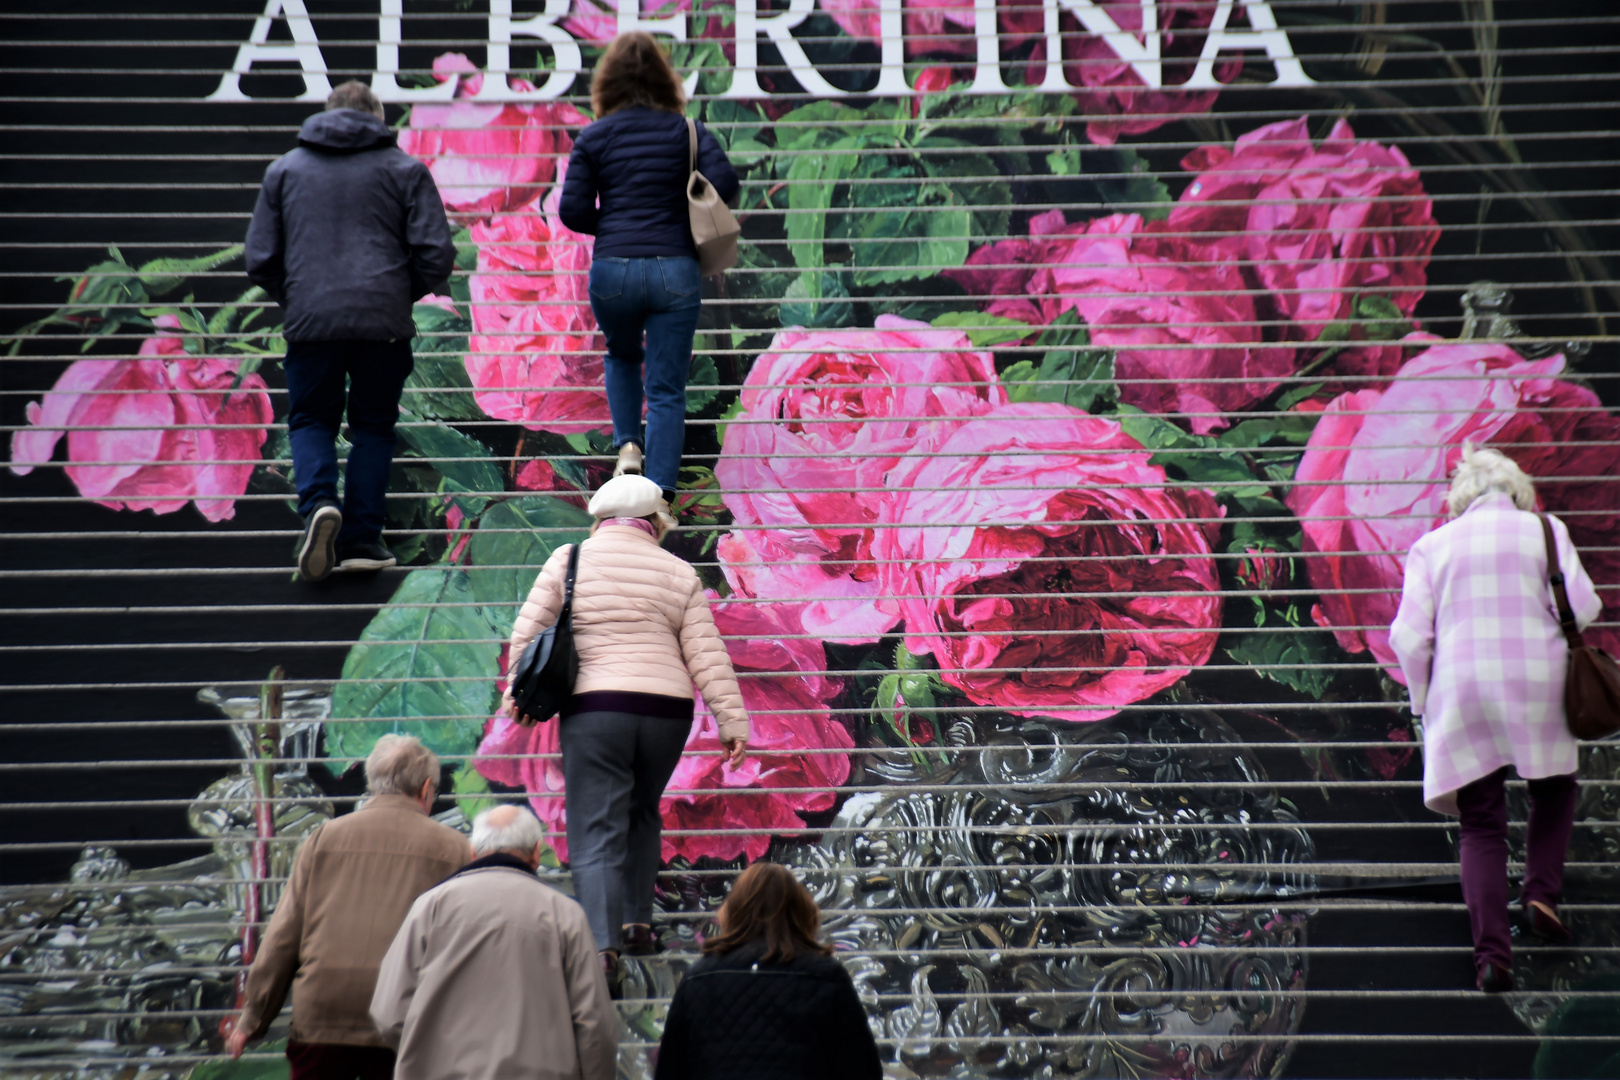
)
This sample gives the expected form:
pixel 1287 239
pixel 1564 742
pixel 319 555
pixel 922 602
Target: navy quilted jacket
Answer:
pixel 626 182
pixel 736 1017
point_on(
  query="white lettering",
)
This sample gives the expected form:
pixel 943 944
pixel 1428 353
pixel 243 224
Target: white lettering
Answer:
pixel 892 65
pixel 385 83
pixel 1263 34
pixel 749 25
pixel 1142 56
pixel 987 72
pixel 306 50
pixel 567 61
pixel 1053 79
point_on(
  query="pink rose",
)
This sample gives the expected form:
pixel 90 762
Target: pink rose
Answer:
pixel 534 356
pixel 164 448
pixel 789 715
pixel 1111 88
pixel 596 22
pixel 1314 224
pixel 487 159
pixel 824 415
pixel 1375 474
pixel 1174 324
pixel 1054 585
pixel 787 695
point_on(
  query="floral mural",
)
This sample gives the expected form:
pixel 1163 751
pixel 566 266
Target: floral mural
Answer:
pixel 1034 468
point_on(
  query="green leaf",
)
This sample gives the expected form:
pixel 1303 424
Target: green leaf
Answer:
pixel 1134 190
pixel 1385 321
pixel 985 330
pixel 700 383
pixel 248 1068
pixel 1286 645
pixel 1291 430
pixel 438 387
pixel 461 458
pixel 165 275
pixel 467 785
pixel 503 564
pixel 909 244
pixel 802 303
pixel 430 653
pixel 812 180
pixel 733 410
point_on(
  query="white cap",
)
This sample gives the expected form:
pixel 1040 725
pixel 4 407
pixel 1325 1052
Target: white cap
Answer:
pixel 627 496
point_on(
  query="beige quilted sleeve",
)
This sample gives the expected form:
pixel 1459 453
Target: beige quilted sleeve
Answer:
pixel 710 665
pixel 540 610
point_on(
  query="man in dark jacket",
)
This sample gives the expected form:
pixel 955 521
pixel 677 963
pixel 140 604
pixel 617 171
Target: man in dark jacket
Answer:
pixel 348 233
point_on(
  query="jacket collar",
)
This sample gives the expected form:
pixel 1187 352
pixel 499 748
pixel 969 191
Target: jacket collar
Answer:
pixel 627 530
pixel 391 802
pixel 495 859
pixel 1498 500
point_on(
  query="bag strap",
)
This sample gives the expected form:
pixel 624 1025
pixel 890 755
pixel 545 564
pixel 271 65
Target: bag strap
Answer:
pixel 691 144
pixel 568 586
pixel 1555 578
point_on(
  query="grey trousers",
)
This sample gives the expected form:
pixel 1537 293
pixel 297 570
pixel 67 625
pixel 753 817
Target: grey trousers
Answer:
pixel 615 766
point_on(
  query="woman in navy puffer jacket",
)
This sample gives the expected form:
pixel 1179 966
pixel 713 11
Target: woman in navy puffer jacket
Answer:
pixel 626 185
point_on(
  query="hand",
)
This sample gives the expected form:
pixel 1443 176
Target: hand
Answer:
pixel 736 750
pixel 236 1041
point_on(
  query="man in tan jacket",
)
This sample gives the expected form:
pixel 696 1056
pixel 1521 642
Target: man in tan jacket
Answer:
pixel 352 883
pixel 494 976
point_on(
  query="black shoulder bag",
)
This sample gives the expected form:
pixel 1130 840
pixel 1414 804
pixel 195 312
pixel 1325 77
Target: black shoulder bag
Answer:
pixel 543 679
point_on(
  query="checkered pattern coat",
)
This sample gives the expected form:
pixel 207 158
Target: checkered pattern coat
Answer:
pixel 1478 640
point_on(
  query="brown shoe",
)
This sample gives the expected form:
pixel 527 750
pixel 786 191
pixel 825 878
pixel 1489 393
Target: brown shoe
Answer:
pixel 1545 923
pixel 1494 978
pixel 615 977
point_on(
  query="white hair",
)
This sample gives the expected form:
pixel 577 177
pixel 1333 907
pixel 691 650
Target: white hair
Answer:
pixel 400 765
pixel 1482 471
pixel 506 828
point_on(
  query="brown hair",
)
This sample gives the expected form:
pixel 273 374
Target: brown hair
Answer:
pixel 356 95
pixel 635 71
pixel 767 901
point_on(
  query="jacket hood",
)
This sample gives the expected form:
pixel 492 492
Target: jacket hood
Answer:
pixel 344 131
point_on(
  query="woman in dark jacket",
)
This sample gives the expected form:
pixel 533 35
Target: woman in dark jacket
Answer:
pixel 626 185
pixel 767 1001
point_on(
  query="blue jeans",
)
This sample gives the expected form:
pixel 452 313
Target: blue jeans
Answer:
pixel 659 296
pixel 376 373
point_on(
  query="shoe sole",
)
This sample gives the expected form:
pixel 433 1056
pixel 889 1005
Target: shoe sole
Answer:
pixel 319 554
pixel 352 565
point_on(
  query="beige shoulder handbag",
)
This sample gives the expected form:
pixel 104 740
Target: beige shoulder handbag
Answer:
pixel 714 229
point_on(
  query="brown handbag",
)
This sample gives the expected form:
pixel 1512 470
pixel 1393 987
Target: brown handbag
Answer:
pixel 1592 686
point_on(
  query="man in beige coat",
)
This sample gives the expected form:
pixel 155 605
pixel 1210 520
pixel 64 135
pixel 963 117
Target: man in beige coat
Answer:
pixel 351 885
pixel 495 975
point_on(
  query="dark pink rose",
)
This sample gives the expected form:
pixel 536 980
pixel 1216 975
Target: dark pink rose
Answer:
pixel 183 430
pixel 787 692
pixel 1375 474
pixel 535 356
pixel 1063 580
pixel 1112 90
pixel 787 695
pixel 1176 322
pixel 824 415
pixel 1314 224
pixel 1263 570
pixel 487 159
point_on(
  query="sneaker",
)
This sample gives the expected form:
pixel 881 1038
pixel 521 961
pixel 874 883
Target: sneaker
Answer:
pixel 630 460
pixel 317 555
pixel 364 556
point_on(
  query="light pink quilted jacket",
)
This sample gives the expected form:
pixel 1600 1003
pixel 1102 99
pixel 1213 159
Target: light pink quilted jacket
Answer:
pixel 641 623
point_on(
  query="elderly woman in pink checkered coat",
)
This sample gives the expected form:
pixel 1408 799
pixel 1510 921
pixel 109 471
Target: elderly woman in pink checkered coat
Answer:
pixel 1478 640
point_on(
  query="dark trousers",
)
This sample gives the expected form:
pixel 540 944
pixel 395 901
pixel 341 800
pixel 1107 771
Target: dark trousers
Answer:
pixel 375 373
pixel 615 766
pixel 1482 812
pixel 334 1061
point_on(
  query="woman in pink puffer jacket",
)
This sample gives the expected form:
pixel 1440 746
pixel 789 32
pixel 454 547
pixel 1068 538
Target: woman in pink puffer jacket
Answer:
pixel 645 636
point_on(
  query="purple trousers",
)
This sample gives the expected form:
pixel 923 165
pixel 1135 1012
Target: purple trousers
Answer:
pixel 1482 810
